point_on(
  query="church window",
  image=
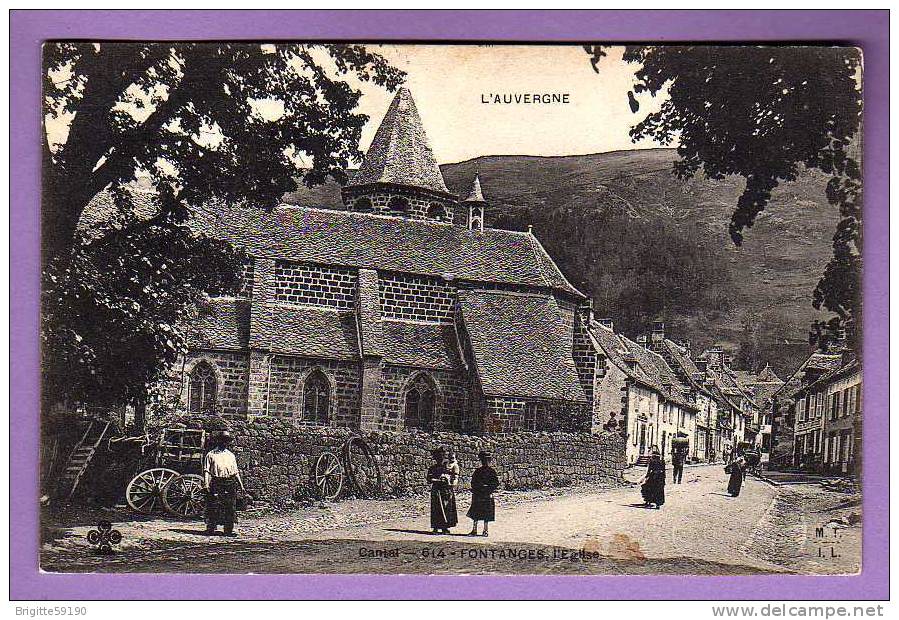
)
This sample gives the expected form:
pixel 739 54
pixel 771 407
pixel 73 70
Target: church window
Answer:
pixel 316 398
pixel 436 211
pixel 421 401
pixel 363 205
pixel 398 204
pixel 202 389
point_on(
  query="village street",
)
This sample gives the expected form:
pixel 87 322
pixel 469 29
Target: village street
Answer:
pixel 582 530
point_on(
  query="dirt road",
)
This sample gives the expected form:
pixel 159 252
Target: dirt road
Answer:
pixel 700 530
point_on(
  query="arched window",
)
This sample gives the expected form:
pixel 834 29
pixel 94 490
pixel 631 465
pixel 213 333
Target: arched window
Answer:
pixel 421 401
pixel 202 389
pixel 436 211
pixel 316 398
pixel 362 205
pixel 398 204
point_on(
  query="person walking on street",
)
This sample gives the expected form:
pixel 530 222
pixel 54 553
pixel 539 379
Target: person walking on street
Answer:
pixel 653 484
pixel 443 498
pixel 737 471
pixel 484 483
pixel 222 479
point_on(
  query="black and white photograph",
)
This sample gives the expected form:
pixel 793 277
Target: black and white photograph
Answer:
pixel 438 308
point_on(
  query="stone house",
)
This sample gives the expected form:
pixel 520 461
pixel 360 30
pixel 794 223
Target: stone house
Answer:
pixel 637 388
pixel 402 311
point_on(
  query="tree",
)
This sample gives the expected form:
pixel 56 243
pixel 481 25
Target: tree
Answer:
pixel 198 122
pixel 763 113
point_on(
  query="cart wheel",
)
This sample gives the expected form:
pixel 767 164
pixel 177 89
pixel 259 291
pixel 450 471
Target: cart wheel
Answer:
pixel 144 492
pixel 362 467
pixel 327 476
pixel 184 496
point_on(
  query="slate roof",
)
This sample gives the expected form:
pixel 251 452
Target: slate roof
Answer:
pixel 362 240
pixel 307 331
pixel 400 153
pixel 475 195
pixel 520 345
pixel 651 368
pixel 424 345
pixel 222 323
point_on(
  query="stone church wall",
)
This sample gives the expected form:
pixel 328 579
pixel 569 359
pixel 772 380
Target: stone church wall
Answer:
pixel 276 458
pixel 297 283
pixel 286 381
pixel 452 399
pixel 415 298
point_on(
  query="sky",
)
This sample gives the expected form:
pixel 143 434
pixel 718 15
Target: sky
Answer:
pixel 448 83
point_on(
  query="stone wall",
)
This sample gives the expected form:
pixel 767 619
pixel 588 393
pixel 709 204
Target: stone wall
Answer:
pixel 276 458
pixel 296 283
pixel 415 298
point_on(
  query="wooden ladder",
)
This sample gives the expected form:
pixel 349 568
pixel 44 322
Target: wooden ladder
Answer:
pixel 81 457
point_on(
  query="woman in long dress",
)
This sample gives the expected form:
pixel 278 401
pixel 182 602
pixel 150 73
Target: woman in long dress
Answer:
pixel 737 471
pixel 484 482
pixel 443 499
pixel 653 486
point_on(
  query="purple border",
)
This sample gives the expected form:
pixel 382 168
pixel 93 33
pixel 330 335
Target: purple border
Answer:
pixel 868 29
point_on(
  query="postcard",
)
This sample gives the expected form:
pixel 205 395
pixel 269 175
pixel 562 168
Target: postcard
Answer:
pixel 482 308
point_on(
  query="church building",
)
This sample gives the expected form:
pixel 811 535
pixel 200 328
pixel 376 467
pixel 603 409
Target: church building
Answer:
pixel 402 311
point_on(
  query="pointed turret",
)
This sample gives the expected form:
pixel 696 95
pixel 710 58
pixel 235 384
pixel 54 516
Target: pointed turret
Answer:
pixel 399 175
pixel 476 205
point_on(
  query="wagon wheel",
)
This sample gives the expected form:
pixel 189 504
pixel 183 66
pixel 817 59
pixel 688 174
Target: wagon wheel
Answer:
pixel 362 468
pixel 328 476
pixel 144 492
pixel 184 496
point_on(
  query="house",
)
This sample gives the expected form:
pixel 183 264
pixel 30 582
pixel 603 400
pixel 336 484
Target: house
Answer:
pixel 790 414
pixel 761 387
pixel 828 420
pixel 843 418
pixel 636 388
pixel 736 409
pixel 706 444
pixel 402 311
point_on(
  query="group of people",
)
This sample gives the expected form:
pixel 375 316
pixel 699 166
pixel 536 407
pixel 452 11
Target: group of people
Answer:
pixel 652 486
pixel 443 476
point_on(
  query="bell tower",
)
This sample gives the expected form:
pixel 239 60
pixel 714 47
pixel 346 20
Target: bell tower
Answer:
pixel 476 206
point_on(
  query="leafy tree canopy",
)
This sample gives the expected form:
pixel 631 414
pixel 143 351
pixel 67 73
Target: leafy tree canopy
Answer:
pixel 762 113
pixel 197 122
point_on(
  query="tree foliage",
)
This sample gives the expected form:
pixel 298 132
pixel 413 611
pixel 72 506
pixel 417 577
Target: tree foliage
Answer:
pixel 762 113
pixel 198 122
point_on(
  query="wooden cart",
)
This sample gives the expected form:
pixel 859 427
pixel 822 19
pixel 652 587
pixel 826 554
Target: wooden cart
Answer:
pixel 173 481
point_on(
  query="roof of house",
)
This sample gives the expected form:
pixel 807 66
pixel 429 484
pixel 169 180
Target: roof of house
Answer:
pixel 846 367
pixel 650 368
pixel 520 345
pixel 817 361
pixel 400 153
pixel 363 240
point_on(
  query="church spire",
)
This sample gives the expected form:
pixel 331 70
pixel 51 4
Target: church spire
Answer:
pixel 399 175
pixel 476 205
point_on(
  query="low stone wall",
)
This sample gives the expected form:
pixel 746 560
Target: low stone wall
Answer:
pixel 276 458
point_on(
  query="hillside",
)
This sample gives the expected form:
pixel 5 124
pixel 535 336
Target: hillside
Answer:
pixel 645 245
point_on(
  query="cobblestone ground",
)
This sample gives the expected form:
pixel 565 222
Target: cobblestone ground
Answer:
pixel 582 530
